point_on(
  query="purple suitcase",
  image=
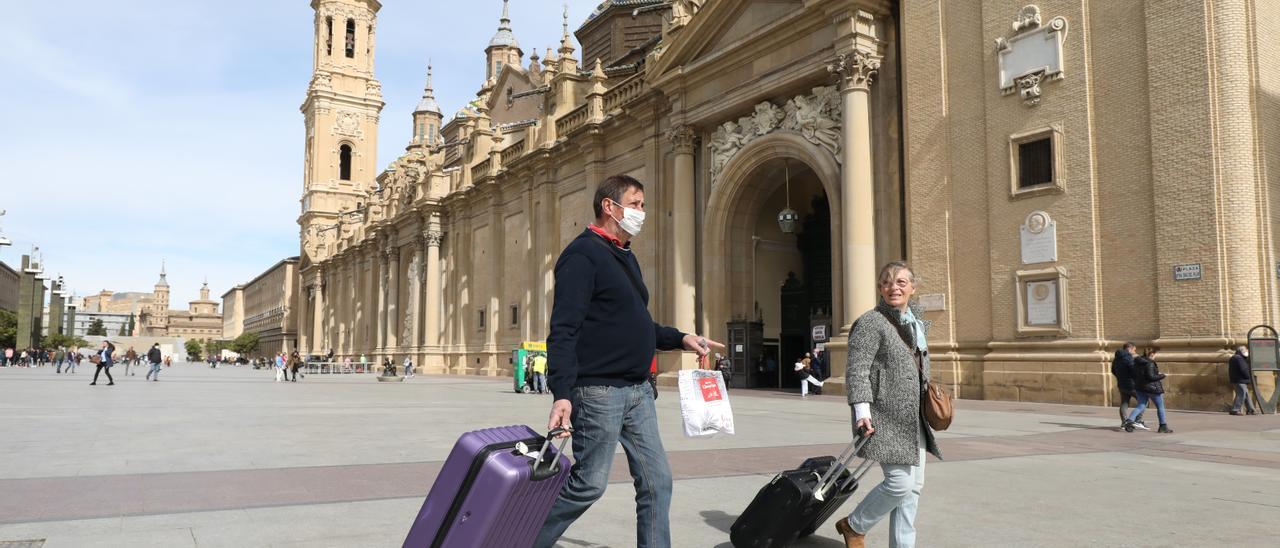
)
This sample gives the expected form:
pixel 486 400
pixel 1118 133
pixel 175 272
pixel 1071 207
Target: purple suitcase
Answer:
pixel 488 494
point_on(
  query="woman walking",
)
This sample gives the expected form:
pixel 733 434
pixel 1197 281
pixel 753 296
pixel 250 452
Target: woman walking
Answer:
pixel 805 372
pixel 104 363
pixel 295 361
pixel 887 374
pixel 1149 379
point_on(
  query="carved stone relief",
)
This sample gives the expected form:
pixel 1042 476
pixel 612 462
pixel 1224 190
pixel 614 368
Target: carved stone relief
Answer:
pixel 815 116
pixel 1032 55
pixel 347 123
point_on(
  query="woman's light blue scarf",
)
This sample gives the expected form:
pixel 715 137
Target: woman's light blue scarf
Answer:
pixel 917 329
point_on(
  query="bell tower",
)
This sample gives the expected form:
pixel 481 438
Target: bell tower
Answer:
pixel 340 114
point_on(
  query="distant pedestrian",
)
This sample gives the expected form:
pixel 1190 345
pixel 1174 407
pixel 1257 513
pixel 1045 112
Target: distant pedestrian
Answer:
pixel 59 358
pixel 292 365
pixel 104 363
pixel 1148 379
pixel 408 367
pixel 1240 373
pixel 278 361
pixel 1122 370
pixel 8 357
pixel 540 372
pixel 364 363
pixel 154 358
pixel 805 373
pixel 130 359
pixel 73 359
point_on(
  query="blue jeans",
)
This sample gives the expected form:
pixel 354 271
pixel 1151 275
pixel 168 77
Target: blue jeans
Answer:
pixel 1242 398
pixel 1143 398
pixel 155 370
pixel 602 417
pixel 897 496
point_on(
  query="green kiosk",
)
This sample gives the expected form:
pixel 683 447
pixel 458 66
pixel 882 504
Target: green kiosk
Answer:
pixel 521 363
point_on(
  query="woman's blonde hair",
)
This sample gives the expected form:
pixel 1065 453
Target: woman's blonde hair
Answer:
pixel 892 269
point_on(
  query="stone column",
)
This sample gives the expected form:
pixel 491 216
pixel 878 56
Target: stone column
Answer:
pixel 855 66
pixel 857 200
pixel 393 298
pixel 432 312
pixel 379 318
pixel 317 314
pixel 684 235
pixel 414 319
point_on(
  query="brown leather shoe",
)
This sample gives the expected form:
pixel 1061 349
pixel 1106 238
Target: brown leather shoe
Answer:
pixel 852 539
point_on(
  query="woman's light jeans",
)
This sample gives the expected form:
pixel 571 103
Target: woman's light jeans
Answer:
pixel 898 497
pixel 804 384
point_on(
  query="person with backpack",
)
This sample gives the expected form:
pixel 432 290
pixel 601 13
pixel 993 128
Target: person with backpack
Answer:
pixel 104 363
pixel 1147 378
pixel 154 358
pixel 1122 370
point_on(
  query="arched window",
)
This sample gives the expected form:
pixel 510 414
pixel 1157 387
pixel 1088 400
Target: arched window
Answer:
pixel 344 163
pixel 328 41
pixel 351 38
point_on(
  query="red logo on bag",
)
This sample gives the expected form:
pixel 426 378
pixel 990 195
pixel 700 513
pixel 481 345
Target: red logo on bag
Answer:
pixel 710 389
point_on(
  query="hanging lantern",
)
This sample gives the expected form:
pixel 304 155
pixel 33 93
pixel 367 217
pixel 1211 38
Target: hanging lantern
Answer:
pixel 787 218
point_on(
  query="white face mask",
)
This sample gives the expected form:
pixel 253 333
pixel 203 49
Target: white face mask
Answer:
pixel 632 220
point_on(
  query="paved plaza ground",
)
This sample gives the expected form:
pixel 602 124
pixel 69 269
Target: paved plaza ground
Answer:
pixel 227 457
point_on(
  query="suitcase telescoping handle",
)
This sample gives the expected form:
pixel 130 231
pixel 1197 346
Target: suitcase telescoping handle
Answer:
pixel 551 462
pixel 841 464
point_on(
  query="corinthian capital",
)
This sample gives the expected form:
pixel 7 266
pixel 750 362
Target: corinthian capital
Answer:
pixel 682 138
pixel 855 69
pixel 433 238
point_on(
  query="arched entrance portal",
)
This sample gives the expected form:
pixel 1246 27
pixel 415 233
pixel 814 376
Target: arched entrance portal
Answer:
pixel 767 289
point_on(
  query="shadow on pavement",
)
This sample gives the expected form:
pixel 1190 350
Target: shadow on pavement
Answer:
pixel 1082 426
pixel 718 519
pixel 723 521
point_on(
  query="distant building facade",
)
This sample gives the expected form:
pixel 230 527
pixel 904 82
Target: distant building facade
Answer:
pixel 9 282
pixel 266 306
pixel 233 313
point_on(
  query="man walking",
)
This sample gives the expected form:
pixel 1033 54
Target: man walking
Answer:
pixel 1241 374
pixel 1122 370
pixel 601 341
pixel 154 358
pixel 59 358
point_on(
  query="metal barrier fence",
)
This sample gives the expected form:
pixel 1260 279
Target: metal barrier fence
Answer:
pixel 331 368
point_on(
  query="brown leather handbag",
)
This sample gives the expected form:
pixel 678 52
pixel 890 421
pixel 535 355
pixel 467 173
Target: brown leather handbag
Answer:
pixel 938 409
pixel 935 402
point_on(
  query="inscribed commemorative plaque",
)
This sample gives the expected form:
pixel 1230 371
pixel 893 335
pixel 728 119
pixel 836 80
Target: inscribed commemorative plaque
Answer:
pixel 1039 238
pixel 1042 303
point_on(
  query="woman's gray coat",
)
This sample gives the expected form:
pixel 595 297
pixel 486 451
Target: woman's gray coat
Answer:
pixel 882 371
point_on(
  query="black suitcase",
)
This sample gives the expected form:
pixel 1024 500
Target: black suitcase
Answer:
pixel 799 501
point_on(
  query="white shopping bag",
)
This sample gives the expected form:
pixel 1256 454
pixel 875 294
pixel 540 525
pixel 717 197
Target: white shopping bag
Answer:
pixel 704 403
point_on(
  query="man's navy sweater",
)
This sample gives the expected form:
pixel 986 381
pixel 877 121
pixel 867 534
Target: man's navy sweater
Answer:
pixel 601 330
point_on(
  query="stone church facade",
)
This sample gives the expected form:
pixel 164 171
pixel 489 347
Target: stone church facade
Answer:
pixel 1064 176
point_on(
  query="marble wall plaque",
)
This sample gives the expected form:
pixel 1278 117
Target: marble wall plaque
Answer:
pixel 1039 239
pixel 933 302
pixel 1042 303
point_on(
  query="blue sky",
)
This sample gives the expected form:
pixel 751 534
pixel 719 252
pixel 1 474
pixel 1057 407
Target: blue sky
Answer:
pixel 158 129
